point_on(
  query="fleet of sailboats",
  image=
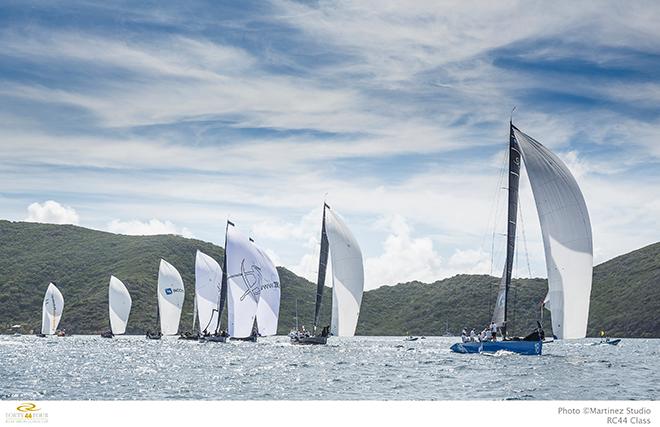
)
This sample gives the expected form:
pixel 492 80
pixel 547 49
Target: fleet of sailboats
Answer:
pixel 248 281
pixel 567 243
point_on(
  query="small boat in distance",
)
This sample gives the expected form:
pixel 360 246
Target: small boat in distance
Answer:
pixel 171 294
pixel 567 242
pixel 338 242
pixel 210 294
pixel 119 307
pixel 51 311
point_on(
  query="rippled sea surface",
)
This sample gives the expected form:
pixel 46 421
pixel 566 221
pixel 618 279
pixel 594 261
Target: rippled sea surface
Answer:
pixel 373 368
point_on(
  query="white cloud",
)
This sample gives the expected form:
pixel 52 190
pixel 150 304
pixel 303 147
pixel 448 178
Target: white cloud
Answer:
pixel 52 212
pixel 404 257
pixel 144 228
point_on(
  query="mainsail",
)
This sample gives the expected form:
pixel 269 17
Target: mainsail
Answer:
pixel 170 298
pixel 566 233
pixel 119 301
pixel 268 308
pixel 323 266
pixel 347 275
pixel 208 286
pixel 500 313
pixel 567 239
pixel 51 310
pixel 244 270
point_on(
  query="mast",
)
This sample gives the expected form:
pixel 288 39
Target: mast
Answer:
pixel 223 287
pixel 323 264
pixel 514 181
pixel 194 311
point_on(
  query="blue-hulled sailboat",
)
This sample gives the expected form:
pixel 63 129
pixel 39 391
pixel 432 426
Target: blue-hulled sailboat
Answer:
pixel 567 243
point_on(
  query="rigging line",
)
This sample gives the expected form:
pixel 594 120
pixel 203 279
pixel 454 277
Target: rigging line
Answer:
pixel 494 210
pixel 524 239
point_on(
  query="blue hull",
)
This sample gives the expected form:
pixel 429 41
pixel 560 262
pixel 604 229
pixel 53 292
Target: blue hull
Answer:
pixel 530 348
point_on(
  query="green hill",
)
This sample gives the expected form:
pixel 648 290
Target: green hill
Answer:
pixel 80 261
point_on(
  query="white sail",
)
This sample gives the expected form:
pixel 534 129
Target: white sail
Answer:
pixel 119 301
pixel 208 282
pixel 244 279
pixel 51 310
pixel 268 308
pixel 567 237
pixel 170 298
pixel 347 276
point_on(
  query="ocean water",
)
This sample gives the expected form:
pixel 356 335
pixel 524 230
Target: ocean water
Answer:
pixel 359 368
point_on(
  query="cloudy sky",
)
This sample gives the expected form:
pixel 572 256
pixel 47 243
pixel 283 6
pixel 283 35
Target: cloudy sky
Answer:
pixel 170 118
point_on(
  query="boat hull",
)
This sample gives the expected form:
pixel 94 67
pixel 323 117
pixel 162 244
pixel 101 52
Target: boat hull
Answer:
pixel 320 340
pixel 213 338
pixel 529 348
pixel 252 338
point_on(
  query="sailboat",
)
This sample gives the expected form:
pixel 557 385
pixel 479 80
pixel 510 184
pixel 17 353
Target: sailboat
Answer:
pixel 208 293
pixel 567 244
pixel 119 304
pixel 248 272
pixel 51 311
pixel 171 294
pixel 347 281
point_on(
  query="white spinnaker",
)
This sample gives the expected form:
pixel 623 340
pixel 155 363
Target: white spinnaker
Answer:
pixel 51 310
pixel 347 276
pixel 119 301
pixel 244 279
pixel 567 237
pixel 208 282
pixel 171 294
pixel 268 308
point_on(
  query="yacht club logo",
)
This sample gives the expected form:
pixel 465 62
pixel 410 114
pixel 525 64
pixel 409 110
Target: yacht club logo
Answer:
pixel 26 412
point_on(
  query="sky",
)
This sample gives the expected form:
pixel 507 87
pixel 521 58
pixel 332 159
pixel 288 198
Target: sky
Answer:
pixel 171 117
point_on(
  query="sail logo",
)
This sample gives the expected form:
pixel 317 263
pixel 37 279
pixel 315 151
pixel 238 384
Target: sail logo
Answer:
pixel 170 291
pixel 26 412
pixel 252 279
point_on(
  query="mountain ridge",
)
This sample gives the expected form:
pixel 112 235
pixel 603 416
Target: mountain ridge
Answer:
pixel 81 261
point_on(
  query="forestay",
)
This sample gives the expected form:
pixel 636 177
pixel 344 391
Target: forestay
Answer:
pixel 208 284
pixel 119 301
pixel 347 276
pixel 244 280
pixel 171 294
pixel 567 237
pixel 268 308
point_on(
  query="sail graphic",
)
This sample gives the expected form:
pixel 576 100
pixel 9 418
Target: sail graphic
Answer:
pixel 51 310
pixel 119 302
pixel 244 272
pixel 171 294
pixel 567 239
pixel 347 275
pixel 268 308
pixel 208 284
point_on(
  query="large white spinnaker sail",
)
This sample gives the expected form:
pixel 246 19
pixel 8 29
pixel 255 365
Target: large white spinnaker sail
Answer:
pixel 567 237
pixel 347 276
pixel 268 308
pixel 208 284
pixel 51 310
pixel 119 301
pixel 171 294
pixel 244 280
